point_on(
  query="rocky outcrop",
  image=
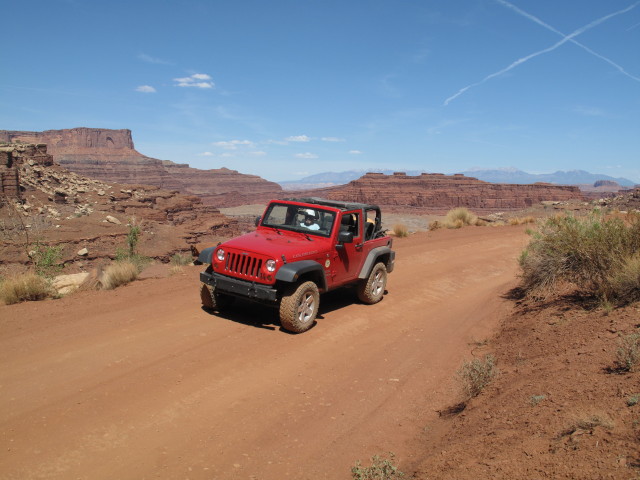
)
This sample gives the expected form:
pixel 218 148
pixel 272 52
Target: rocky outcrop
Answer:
pixel 436 192
pixel 89 219
pixel 110 156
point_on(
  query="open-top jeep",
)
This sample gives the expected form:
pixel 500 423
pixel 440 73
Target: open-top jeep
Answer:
pixel 301 248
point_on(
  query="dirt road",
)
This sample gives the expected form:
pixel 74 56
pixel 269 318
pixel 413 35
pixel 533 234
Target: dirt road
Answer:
pixel 140 382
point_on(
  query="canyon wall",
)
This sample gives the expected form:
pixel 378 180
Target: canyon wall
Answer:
pixel 436 192
pixel 110 156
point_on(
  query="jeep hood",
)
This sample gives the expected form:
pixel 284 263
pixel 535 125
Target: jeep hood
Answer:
pixel 292 245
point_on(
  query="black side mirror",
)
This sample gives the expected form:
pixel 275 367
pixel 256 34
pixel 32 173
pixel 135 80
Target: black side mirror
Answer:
pixel 258 221
pixel 345 237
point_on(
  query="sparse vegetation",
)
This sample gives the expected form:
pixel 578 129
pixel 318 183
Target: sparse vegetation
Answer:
pixel 181 259
pixel 476 375
pixel 521 220
pixel 119 273
pixel 26 287
pixel 46 259
pixel 400 230
pixel 435 225
pixel 536 399
pixel 633 400
pixel 599 255
pixel 380 469
pixel 459 217
pixel 628 353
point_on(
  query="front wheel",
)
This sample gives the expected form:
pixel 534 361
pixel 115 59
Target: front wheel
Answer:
pixel 213 300
pixel 371 290
pixel 299 307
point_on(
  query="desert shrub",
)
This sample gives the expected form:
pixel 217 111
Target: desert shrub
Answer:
pixel 628 353
pixel 380 469
pixel 481 222
pixel 476 375
pixel 133 235
pixel 26 287
pixel 46 259
pixel 119 273
pixel 459 217
pixel 586 252
pixel 140 261
pixel 435 225
pixel 400 230
pixel 181 259
pixel 623 284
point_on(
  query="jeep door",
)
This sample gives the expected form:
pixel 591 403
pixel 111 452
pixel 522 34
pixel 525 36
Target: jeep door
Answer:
pixel 348 257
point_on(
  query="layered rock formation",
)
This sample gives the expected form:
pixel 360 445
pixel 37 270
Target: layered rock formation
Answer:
pixel 110 156
pixel 55 207
pixel 435 192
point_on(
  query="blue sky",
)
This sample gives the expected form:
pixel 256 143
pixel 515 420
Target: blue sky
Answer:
pixel 287 88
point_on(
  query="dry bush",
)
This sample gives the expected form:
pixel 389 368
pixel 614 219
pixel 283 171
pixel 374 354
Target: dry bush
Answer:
pixel 480 222
pixel 181 259
pixel 26 287
pixel 521 220
pixel 400 230
pixel 623 285
pixel 435 225
pixel 117 274
pixel 590 253
pixel 476 375
pixel 459 217
pixel 628 353
pixel 381 469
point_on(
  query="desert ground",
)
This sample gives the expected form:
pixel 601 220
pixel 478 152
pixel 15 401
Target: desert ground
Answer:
pixel 141 382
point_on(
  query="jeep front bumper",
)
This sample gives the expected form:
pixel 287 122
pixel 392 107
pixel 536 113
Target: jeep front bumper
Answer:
pixel 240 288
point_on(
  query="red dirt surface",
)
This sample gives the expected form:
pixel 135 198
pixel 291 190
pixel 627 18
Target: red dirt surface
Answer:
pixel 140 382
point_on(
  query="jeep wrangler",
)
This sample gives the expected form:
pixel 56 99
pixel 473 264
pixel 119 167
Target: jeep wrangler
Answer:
pixel 300 248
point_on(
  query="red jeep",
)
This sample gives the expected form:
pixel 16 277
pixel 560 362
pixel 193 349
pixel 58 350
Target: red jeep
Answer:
pixel 301 248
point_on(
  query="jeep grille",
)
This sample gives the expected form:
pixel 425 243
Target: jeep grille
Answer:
pixel 243 265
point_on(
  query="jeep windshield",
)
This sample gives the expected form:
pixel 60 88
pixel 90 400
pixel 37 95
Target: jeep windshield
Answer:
pixel 308 220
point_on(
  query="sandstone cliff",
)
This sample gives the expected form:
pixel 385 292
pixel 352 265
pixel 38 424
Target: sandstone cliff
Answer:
pixel 110 156
pixel 435 192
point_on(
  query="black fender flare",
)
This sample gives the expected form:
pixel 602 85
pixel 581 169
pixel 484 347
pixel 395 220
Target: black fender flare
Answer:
pixel 291 272
pixel 206 256
pixel 372 258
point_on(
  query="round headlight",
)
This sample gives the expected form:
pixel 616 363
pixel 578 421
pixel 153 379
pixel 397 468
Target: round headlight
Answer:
pixel 271 265
pixel 220 254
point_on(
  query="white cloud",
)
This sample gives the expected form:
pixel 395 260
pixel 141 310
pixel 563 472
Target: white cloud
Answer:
pixel 258 153
pixel 306 155
pixel 332 139
pixel 205 154
pixel 232 144
pixel 298 138
pixel 192 81
pixel 146 89
pixel 355 152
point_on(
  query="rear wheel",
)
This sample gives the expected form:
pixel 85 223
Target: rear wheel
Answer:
pixel 371 290
pixel 299 307
pixel 213 300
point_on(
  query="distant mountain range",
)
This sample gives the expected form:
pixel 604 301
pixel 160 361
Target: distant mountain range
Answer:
pixel 503 175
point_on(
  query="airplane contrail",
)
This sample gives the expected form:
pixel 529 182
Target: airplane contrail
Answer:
pixel 565 39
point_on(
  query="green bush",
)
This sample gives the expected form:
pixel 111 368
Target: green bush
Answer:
pixel 45 259
pixel 595 254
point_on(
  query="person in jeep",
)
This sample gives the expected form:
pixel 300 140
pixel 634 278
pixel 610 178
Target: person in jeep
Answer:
pixel 310 220
pixel 301 247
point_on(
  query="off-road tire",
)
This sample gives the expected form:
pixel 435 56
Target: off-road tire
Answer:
pixel 299 307
pixel 211 300
pixel 371 290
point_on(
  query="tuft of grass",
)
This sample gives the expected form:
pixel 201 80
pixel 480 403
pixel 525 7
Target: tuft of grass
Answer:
pixel 476 375
pixel 633 400
pixel 597 254
pixel 536 399
pixel 181 259
pixel 119 273
pixel 400 230
pixel 628 353
pixel 380 469
pixel 459 217
pixel 26 287
pixel 435 225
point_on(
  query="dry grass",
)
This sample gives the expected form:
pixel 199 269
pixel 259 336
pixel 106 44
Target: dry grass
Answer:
pixel 400 230
pixel 476 375
pixel 117 274
pixel 628 354
pixel 181 259
pixel 435 225
pixel 459 217
pixel 521 220
pixel 27 287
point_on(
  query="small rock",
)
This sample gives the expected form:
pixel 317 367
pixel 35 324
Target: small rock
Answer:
pixel 114 220
pixel 83 252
